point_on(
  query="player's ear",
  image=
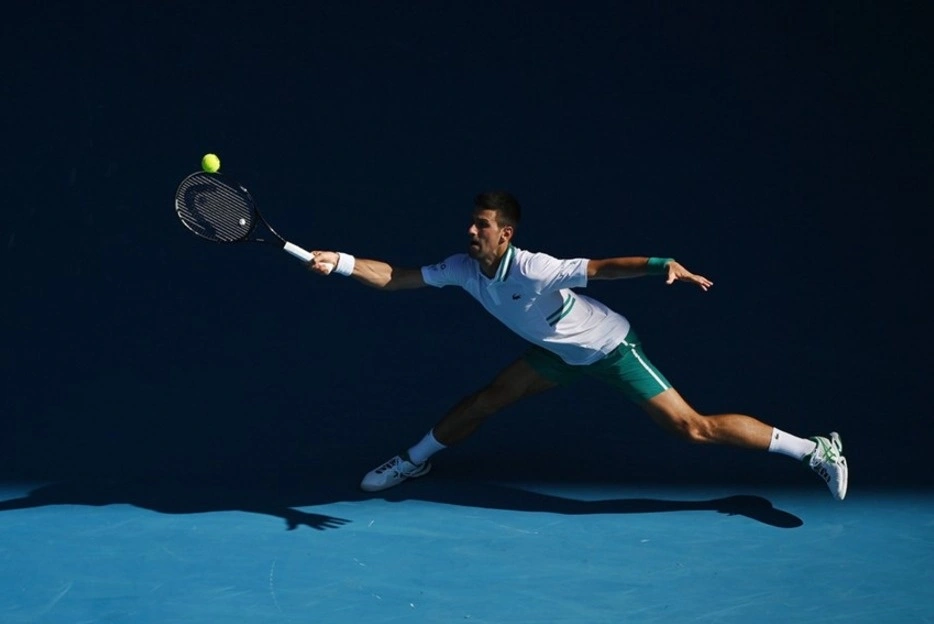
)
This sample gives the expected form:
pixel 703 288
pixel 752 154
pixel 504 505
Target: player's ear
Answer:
pixel 507 234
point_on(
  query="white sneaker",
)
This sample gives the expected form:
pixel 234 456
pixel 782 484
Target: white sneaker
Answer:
pixel 828 461
pixel 392 473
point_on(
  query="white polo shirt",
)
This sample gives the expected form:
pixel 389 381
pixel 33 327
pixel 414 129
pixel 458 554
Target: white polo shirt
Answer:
pixel 531 295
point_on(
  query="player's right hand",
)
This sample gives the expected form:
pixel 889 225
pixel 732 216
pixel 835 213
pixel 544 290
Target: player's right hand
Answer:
pixel 323 262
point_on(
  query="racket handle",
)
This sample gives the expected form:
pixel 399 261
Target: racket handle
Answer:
pixel 298 252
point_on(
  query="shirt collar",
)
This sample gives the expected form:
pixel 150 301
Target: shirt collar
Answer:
pixel 505 266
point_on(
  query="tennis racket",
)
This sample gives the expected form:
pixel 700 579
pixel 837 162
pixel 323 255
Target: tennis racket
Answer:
pixel 216 208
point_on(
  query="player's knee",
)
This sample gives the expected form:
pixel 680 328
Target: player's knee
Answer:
pixel 693 428
pixel 700 430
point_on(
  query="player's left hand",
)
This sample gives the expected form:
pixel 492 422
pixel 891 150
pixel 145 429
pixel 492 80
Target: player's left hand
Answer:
pixel 677 273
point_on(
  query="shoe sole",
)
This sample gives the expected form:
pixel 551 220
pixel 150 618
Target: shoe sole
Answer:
pixel 845 473
pixel 844 470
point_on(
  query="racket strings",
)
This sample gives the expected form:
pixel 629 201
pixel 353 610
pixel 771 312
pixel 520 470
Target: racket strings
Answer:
pixel 214 210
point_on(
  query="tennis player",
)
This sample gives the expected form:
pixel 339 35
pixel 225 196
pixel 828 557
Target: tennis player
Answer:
pixel 571 336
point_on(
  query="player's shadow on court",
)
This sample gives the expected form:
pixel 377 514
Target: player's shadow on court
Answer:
pixel 492 496
pixel 177 496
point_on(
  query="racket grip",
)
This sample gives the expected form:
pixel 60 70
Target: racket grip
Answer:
pixel 298 252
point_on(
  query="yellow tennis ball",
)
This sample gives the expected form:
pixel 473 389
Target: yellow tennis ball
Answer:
pixel 211 163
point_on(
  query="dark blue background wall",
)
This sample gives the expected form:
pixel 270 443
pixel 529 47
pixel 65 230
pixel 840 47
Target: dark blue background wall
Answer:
pixel 784 152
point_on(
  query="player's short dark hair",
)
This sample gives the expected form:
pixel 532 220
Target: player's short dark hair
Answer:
pixel 508 211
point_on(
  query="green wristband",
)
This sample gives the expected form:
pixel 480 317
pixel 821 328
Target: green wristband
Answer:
pixel 658 266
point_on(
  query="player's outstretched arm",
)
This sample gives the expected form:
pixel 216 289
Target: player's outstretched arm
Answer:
pixel 375 273
pixel 637 266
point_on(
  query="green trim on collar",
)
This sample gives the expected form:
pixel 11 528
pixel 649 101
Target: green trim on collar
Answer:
pixel 505 264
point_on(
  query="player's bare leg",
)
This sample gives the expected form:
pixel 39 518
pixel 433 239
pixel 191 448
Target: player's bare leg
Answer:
pixel 674 414
pixel 824 455
pixel 516 381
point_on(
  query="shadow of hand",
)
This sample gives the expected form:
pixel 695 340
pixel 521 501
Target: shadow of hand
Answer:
pixel 295 518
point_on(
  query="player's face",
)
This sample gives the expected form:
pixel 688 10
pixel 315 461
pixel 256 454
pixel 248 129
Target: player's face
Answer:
pixel 487 238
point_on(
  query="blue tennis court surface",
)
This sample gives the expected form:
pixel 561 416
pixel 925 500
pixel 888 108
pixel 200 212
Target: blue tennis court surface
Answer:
pixel 454 550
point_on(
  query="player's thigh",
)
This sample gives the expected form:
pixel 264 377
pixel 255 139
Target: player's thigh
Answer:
pixel 519 379
pixel 628 369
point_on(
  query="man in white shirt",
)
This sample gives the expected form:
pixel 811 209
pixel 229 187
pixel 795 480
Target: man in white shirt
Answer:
pixel 571 335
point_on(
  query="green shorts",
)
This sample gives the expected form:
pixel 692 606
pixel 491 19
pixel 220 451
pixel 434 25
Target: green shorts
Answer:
pixel 626 368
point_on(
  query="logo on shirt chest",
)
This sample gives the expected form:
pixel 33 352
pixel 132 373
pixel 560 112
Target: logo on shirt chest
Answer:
pixel 516 296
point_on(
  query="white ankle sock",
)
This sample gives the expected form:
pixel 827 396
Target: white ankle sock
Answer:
pixel 790 445
pixel 425 449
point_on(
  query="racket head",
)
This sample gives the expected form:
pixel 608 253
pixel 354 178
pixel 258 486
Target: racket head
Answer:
pixel 216 208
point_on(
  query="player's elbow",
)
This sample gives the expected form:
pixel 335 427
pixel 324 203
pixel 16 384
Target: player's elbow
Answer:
pixel 594 269
pixel 404 279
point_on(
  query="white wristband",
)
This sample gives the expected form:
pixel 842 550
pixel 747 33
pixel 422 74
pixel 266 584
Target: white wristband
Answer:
pixel 345 264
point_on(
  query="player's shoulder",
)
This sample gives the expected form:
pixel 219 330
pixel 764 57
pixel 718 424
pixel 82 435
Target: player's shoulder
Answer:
pixel 453 262
pixel 457 267
pixel 530 262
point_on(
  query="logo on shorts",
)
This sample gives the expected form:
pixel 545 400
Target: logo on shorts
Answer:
pixel 516 296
